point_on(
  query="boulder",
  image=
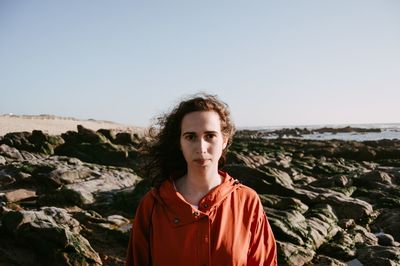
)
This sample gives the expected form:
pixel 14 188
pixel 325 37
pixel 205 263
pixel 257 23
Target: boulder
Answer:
pixel 388 222
pixel 374 180
pixel 35 141
pixel 18 195
pixel 283 203
pixel 293 255
pixel 344 206
pixel 322 260
pixel 341 246
pixel 86 135
pixel 309 230
pixel 386 240
pixel 271 182
pixel 379 255
pixel 10 152
pixel 55 235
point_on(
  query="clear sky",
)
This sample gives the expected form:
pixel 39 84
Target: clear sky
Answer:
pixel 274 62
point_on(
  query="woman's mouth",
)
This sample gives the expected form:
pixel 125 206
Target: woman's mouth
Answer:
pixel 201 161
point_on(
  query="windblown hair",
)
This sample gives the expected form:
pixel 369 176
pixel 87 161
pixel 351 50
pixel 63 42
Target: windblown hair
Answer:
pixel 165 158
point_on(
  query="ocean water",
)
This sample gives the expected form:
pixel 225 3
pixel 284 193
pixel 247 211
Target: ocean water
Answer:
pixel 388 131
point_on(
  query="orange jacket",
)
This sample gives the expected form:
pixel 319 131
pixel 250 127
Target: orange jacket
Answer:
pixel 229 228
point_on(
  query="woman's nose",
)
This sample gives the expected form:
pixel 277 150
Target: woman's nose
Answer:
pixel 201 146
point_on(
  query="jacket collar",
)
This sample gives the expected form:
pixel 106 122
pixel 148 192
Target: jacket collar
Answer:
pixel 180 212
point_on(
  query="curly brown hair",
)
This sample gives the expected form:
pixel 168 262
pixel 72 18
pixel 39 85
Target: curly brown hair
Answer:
pixel 164 156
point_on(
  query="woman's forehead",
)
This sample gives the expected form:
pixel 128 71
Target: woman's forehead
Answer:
pixel 201 121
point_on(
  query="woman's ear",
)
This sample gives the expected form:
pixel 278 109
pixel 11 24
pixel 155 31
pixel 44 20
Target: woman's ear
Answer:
pixel 225 142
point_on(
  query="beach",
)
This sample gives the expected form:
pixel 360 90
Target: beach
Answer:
pixel 56 125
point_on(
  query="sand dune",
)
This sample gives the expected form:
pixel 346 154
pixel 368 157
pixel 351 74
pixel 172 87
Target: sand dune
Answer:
pixel 56 125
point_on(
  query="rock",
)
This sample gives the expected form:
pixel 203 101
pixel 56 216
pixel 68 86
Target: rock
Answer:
pixel 345 207
pixel 341 246
pixel 55 234
pixel 18 195
pixel 322 223
pixel 311 230
pixel 386 240
pixel 321 260
pixel 378 255
pixel 346 129
pixel 117 220
pixel 126 200
pixel 333 181
pixel 67 176
pixel 323 200
pixel 273 182
pixel 3 160
pixel 117 226
pixel 6 178
pixel 36 141
pixel 361 235
pixel 253 161
pixel 75 194
pixel 10 152
pixel 83 186
pixel 374 178
pixel 388 222
pixel 109 236
pixel 110 134
pixel 101 153
pixel 19 140
pixel 283 203
pixel 347 223
pixel 12 253
pixel 292 255
pixel 86 135
pixel 354 262
pixel 281 223
pixel 126 138
pixel 44 143
pixel 344 244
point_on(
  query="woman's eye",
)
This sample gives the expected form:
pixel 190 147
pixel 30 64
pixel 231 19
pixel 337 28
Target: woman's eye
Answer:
pixel 211 136
pixel 189 137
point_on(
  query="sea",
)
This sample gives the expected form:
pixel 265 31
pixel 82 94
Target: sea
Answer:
pixel 388 131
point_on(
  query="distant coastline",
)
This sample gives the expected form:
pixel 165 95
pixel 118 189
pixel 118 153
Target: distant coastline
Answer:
pixel 356 132
pixel 328 125
pixel 53 117
pixel 55 125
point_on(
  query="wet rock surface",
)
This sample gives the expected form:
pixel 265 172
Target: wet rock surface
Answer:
pixel 70 199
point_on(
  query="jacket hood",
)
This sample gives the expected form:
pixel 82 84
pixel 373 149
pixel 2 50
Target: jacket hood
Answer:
pixel 180 212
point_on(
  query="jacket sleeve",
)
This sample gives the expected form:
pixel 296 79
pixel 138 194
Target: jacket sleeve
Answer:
pixel 262 244
pixel 139 252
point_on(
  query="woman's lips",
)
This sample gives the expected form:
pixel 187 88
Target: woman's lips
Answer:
pixel 201 161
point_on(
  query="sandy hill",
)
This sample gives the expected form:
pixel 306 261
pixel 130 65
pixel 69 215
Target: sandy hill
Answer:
pixel 56 125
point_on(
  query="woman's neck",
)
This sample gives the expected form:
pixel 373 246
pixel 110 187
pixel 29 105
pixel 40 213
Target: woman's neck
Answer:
pixel 194 186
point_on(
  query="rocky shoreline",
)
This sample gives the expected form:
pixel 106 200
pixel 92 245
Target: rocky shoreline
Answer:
pixel 69 199
pixel 300 132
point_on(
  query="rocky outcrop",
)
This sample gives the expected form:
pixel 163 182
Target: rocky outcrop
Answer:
pixel 69 199
pixel 60 210
pixel 328 202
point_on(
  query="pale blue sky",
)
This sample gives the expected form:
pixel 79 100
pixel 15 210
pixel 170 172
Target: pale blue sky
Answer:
pixel 274 62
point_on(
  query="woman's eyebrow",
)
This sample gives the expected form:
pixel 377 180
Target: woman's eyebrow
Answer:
pixel 210 131
pixel 188 133
pixel 194 133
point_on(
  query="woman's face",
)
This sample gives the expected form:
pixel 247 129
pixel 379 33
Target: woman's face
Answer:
pixel 201 140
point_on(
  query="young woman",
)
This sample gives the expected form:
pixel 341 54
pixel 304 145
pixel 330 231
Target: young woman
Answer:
pixel 197 214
